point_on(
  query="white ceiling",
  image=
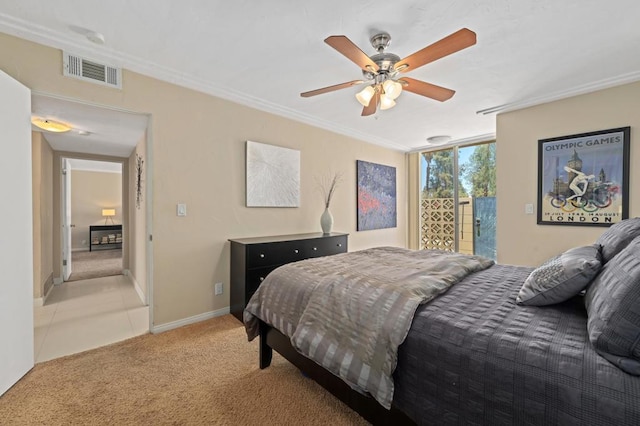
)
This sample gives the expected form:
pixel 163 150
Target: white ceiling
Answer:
pixel 110 132
pixel 264 54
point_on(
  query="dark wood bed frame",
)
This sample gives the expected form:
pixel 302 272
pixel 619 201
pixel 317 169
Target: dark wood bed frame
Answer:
pixel 271 339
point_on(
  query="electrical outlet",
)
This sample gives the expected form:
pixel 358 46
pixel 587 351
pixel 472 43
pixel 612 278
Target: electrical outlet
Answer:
pixel 84 242
pixel 218 289
pixel 181 209
pixel 528 208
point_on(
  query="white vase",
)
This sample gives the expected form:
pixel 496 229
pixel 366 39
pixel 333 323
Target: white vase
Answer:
pixel 326 221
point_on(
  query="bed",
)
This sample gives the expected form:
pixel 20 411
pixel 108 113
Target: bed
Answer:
pixel 473 355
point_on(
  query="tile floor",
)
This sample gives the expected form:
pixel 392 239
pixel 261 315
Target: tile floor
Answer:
pixel 82 315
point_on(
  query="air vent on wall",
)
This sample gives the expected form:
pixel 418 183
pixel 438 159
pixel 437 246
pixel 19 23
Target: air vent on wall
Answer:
pixel 92 71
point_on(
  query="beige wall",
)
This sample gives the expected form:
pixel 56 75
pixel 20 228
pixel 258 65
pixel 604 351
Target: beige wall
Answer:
pixel 90 193
pixel 413 206
pixel 199 159
pixel 42 176
pixel 138 219
pixel 519 239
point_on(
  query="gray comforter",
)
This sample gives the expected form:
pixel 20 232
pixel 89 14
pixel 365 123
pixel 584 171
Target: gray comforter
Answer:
pixel 350 312
pixel 474 357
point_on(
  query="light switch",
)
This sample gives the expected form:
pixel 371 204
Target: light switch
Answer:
pixel 182 209
pixel 528 208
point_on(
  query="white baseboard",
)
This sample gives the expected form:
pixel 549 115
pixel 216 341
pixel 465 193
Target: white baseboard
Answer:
pixel 141 294
pixel 39 301
pixel 186 321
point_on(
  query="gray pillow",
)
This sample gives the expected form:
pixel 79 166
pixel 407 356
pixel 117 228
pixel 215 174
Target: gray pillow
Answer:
pixel 561 277
pixel 613 308
pixel 614 239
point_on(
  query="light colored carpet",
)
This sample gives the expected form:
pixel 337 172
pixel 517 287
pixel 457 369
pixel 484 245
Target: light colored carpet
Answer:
pixel 202 374
pixel 95 264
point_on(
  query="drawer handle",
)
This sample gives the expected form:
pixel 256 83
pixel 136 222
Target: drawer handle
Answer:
pixel 262 255
pixel 315 249
pixel 339 244
pixel 261 279
pixel 296 251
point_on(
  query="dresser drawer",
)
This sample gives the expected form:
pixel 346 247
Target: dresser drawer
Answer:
pixel 275 253
pixel 256 276
pixel 327 246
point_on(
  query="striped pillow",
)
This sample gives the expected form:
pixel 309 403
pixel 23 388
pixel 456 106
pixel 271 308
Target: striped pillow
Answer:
pixel 616 238
pixel 613 308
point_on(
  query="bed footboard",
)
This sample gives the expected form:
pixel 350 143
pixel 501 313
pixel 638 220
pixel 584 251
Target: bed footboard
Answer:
pixel 367 407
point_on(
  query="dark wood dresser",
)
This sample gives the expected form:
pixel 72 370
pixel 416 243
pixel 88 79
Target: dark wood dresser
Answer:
pixel 253 258
pixel 104 237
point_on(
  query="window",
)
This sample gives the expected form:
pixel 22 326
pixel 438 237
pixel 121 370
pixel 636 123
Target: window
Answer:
pixel 458 199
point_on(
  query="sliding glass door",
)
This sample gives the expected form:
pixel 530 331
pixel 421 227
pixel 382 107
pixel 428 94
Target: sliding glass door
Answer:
pixel 458 199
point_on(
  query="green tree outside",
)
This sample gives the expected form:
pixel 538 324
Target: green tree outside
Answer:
pixel 438 181
pixel 480 170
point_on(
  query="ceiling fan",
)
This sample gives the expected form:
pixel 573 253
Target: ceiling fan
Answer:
pixel 382 71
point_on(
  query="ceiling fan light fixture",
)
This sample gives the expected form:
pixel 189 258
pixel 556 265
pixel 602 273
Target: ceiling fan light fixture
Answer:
pixel 365 95
pixel 380 71
pixel 50 125
pixel 392 89
pixel 386 102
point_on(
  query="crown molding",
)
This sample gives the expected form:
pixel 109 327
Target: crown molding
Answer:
pixel 38 34
pixel 563 94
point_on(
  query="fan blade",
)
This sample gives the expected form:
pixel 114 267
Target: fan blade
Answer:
pixel 330 88
pixel 371 108
pixel 426 89
pixel 345 46
pixel 457 41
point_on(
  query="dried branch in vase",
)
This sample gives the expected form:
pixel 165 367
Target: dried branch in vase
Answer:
pixel 328 185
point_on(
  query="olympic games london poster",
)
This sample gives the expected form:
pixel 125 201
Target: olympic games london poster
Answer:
pixel 583 179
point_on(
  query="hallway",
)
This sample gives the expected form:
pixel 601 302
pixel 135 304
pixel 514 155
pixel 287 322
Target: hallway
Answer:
pixel 87 314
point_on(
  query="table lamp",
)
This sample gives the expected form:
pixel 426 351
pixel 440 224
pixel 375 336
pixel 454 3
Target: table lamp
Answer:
pixel 108 214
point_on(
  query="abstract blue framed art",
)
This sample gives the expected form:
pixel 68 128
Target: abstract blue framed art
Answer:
pixel 376 196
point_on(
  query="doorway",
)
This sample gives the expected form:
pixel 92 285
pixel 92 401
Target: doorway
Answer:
pixel 81 314
pixel 92 219
pixel 458 199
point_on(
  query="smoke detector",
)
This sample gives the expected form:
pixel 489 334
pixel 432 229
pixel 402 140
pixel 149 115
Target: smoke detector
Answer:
pixel 438 140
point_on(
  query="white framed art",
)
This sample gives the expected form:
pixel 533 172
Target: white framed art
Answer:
pixel 273 176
